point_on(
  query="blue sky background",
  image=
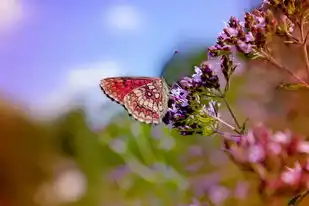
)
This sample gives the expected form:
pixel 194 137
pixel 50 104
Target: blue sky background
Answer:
pixel 53 51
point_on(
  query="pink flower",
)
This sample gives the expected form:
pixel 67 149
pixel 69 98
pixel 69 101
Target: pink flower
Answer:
pixel 249 37
pixel 256 153
pixel 218 194
pixel 244 47
pixel 241 190
pixel 303 147
pixel 261 22
pixel 307 165
pixel 231 32
pixel 274 148
pixel 282 137
pixel 292 175
pixel 250 138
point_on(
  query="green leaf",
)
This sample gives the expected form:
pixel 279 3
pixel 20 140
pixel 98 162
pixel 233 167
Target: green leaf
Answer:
pixel 209 124
pixel 256 55
pixel 208 131
pixel 292 86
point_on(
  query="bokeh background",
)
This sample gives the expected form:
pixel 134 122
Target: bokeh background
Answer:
pixel 62 142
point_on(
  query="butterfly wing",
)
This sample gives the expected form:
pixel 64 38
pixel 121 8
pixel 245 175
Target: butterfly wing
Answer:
pixel 116 88
pixel 148 103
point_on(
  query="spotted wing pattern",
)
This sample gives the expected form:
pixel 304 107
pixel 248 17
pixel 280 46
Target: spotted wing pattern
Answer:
pixel 144 98
pixel 116 88
pixel 148 103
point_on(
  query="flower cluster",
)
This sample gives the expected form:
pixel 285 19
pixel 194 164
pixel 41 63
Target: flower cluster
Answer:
pixel 268 154
pixel 252 35
pixel 292 8
pixel 281 159
pixel 246 37
pixel 191 102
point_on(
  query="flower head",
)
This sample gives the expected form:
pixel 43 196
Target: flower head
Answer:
pixel 269 155
pixel 190 105
pixel 250 36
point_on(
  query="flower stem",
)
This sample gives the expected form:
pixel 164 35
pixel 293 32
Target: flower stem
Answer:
pixel 298 198
pixel 231 112
pixel 222 96
pixel 226 124
pixel 303 40
pixel 278 65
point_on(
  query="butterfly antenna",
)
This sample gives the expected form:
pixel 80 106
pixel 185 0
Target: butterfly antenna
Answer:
pixel 171 58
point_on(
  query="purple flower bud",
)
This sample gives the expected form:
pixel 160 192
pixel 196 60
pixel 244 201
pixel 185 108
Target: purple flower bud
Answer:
pixel 244 47
pixel 249 37
pixel 231 32
pixel 260 22
pixel 197 76
pixel 186 82
pixel 223 37
pixel 179 93
pixel 218 50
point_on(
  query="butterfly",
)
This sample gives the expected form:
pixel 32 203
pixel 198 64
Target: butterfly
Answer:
pixel 145 98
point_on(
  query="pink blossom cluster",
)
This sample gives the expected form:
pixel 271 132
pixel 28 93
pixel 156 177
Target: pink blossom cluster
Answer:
pixel 280 159
pixel 251 36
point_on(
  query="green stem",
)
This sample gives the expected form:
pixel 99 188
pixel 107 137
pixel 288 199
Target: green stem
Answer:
pixel 222 96
pixel 274 62
pixel 296 200
pixel 226 124
pixel 303 40
pixel 232 113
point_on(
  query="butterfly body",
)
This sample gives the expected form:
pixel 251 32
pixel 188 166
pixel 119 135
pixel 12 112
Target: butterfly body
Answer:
pixel 144 98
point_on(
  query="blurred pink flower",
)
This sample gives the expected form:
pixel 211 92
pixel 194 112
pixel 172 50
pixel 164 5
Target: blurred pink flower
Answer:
pixel 218 194
pixel 269 155
pixel 292 175
pixel 241 190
